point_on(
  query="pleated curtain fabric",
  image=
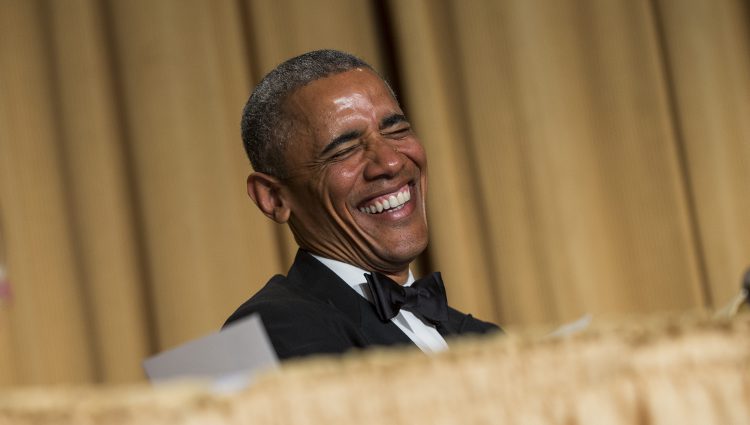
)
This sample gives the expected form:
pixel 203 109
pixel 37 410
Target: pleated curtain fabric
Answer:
pixel 584 157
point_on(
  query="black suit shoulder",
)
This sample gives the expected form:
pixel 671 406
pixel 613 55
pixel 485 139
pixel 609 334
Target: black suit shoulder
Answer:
pixel 468 324
pixel 313 311
pixel 274 295
pixel 298 324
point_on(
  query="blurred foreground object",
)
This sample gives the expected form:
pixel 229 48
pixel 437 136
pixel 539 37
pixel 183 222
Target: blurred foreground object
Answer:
pixel 662 370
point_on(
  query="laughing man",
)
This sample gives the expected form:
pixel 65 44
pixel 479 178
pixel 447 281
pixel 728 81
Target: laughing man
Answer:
pixel 336 159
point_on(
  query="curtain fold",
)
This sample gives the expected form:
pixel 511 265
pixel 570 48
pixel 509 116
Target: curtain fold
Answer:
pixel 566 161
pixel 584 157
pixel 707 49
pixel 184 77
pixel 47 327
pixel 102 221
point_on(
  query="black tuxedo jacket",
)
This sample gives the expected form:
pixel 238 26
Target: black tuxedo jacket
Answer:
pixel 312 311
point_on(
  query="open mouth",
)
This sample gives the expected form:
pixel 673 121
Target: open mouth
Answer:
pixel 390 202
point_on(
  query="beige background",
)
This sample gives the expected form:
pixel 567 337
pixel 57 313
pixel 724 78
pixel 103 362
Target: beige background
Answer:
pixel 585 156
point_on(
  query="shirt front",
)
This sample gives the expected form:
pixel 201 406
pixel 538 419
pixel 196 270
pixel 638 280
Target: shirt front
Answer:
pixel 424 335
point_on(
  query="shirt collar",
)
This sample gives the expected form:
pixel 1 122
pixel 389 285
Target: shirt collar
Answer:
pixel 353 275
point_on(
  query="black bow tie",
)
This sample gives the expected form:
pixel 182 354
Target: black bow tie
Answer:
pixel 425 297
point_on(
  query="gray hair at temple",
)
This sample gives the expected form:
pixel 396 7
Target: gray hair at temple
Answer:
pixel 265 128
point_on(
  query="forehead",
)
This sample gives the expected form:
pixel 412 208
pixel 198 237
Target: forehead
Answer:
pixel 328 104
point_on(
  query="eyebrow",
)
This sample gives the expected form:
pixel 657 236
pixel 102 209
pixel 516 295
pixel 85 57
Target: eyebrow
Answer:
pixel 391 120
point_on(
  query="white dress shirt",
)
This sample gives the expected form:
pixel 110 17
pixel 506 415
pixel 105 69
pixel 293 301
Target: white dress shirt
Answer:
pixel 424 335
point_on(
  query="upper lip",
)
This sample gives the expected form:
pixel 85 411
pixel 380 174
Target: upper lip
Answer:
pixel 386 191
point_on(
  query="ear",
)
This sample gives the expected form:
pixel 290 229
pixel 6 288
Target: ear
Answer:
pixel 266 191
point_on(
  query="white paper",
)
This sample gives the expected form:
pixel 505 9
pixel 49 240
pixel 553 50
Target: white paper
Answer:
pixel 229 358
pixel 573 327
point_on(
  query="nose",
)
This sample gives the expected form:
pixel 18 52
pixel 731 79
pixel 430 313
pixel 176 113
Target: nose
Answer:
pixel 384 159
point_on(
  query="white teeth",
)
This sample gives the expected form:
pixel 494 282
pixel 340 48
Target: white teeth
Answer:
pixel 393 202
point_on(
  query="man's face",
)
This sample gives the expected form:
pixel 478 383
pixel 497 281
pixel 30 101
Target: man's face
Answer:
pixel 357 171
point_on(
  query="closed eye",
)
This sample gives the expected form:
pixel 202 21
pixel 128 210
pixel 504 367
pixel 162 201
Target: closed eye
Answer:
pixel 344 151
pixel 347 137
pixel 395 125
pixel 398 133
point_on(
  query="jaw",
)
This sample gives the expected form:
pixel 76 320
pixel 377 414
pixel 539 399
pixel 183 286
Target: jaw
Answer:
pixel 393 237
pixel 386 242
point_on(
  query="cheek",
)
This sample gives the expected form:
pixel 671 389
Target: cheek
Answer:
pixel 417 154
pixel 339 184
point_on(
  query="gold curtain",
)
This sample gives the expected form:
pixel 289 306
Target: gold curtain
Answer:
pixel 585 156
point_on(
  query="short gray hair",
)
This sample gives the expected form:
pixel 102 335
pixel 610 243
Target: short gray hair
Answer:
pixel 264 125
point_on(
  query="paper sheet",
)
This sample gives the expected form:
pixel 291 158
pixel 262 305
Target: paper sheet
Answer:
pixel 229 358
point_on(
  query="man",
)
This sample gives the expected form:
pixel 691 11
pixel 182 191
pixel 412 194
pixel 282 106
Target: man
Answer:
pixel 336 159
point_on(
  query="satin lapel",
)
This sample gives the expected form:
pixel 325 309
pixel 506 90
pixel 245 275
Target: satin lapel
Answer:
pixel 310 275
pixel 378 332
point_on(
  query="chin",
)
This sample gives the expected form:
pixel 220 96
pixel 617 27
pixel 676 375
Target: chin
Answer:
pixel 404 253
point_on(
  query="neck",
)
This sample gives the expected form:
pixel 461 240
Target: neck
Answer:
pixel 399 277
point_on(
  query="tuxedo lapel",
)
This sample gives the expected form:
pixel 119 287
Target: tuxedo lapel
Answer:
pixel 311 276
pixel 381 333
